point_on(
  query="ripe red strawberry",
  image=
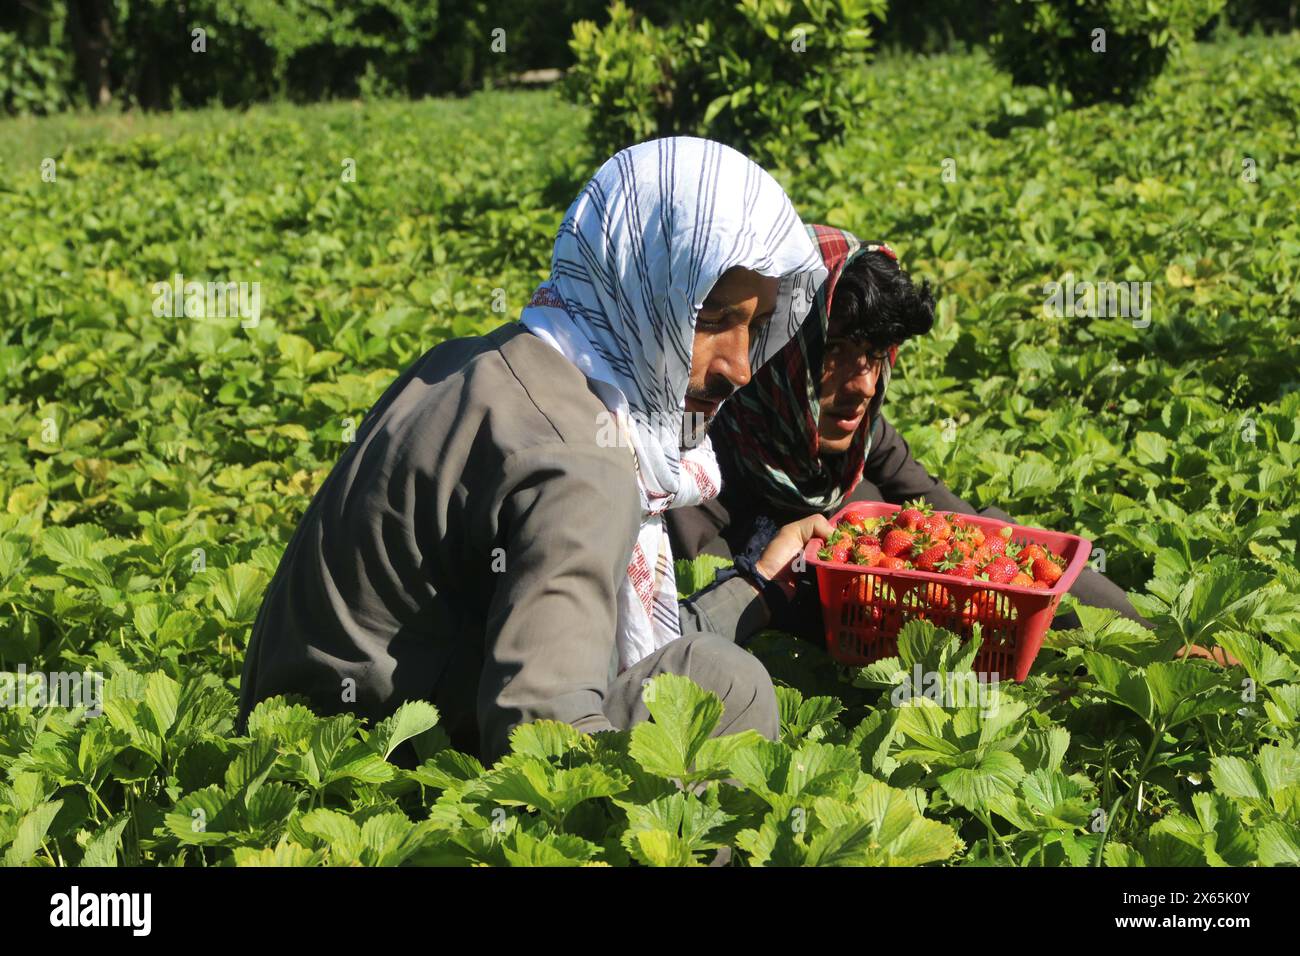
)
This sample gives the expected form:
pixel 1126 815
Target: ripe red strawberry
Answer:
pixel 912 514
pixel 962 539
pixel 1021 579
pixel 927 556
pixel 1041 585
pixel 866 540
pixel 896 542
pixel 995 544
pixel 840 553
pixel 964 568
pixel 1001 569
pixel 1047 570
pixel 863 553
pixel 982 606
pixel 891 562
pixel 909 519
pixel 937 595
pixel 937 527
pixel 1029 552
pixel 854 522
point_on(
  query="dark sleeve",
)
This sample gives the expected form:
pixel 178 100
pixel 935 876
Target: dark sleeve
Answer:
pixel 549 646
pixel 731 608
pixel 697 528
pixel 900 477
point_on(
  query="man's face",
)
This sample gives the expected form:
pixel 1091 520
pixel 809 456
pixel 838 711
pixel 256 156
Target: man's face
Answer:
pixel 849 376
pixel 736 308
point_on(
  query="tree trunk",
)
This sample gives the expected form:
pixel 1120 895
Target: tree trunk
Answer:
pixel 91 30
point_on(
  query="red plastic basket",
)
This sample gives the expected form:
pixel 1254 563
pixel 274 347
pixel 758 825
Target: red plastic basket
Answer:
pixel 864 608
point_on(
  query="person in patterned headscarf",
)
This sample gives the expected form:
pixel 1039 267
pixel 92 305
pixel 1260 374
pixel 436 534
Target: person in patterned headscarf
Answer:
pixel 493 539
pixel 808 434
pixel 661 225
pixel 793 435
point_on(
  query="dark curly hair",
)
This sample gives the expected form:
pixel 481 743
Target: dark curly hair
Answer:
pixel 876 303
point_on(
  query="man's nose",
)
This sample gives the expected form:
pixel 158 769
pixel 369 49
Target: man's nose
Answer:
pixel 732 361
pixel 863 383
pixel 866 380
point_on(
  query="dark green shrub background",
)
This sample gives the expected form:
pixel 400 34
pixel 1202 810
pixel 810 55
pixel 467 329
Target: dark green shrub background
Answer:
pixel 172 435
pixel 306 50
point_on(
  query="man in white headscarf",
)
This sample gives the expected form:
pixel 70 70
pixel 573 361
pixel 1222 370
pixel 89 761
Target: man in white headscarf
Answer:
pixel 493 541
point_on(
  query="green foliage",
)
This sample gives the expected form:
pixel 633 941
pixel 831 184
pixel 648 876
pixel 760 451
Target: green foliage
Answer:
pixel 303 50
pixel 1268 15
pixel 769 77
pixel 153 469
pixel 1098 50
pixel 307 50
pixel 625 73
pixel 33 79
pixel 932 26
pixel 695 575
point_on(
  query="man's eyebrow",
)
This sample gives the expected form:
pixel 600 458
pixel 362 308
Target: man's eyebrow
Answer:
pixel 712 305
pixel 729 311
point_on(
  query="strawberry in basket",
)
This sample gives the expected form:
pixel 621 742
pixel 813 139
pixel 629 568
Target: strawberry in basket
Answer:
pixel 918 538
pixel 970 569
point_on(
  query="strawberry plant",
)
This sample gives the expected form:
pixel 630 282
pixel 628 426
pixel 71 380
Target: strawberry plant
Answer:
pixel 153 469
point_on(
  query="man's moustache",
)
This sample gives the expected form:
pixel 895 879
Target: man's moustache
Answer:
pixel 711 395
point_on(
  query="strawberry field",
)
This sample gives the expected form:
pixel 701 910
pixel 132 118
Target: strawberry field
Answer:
pixel 153 467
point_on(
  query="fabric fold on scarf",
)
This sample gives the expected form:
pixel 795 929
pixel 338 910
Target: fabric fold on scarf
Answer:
pixel 770 425
pixel 635 256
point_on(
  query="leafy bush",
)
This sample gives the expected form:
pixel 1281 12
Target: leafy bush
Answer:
pixel 304 50
pixel 1265 15
pixel 936 25
pixel 769 77
pixel 133 445
pixel 33 79
pixel 625 72
pixel 1096 49
pixel 37 74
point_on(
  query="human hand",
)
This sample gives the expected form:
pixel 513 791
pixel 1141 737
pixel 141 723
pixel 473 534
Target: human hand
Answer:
pixel 1218 655
pixel 789 543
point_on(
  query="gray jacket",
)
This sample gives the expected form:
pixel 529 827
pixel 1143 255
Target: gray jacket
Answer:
pixel 467 549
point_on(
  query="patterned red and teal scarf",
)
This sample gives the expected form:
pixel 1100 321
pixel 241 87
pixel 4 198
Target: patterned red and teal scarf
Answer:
pixel 767 432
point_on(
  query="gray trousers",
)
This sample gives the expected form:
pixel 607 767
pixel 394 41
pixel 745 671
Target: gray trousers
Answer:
pixel 717 665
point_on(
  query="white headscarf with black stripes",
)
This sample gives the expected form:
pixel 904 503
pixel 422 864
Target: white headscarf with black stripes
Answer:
pixel 637 253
